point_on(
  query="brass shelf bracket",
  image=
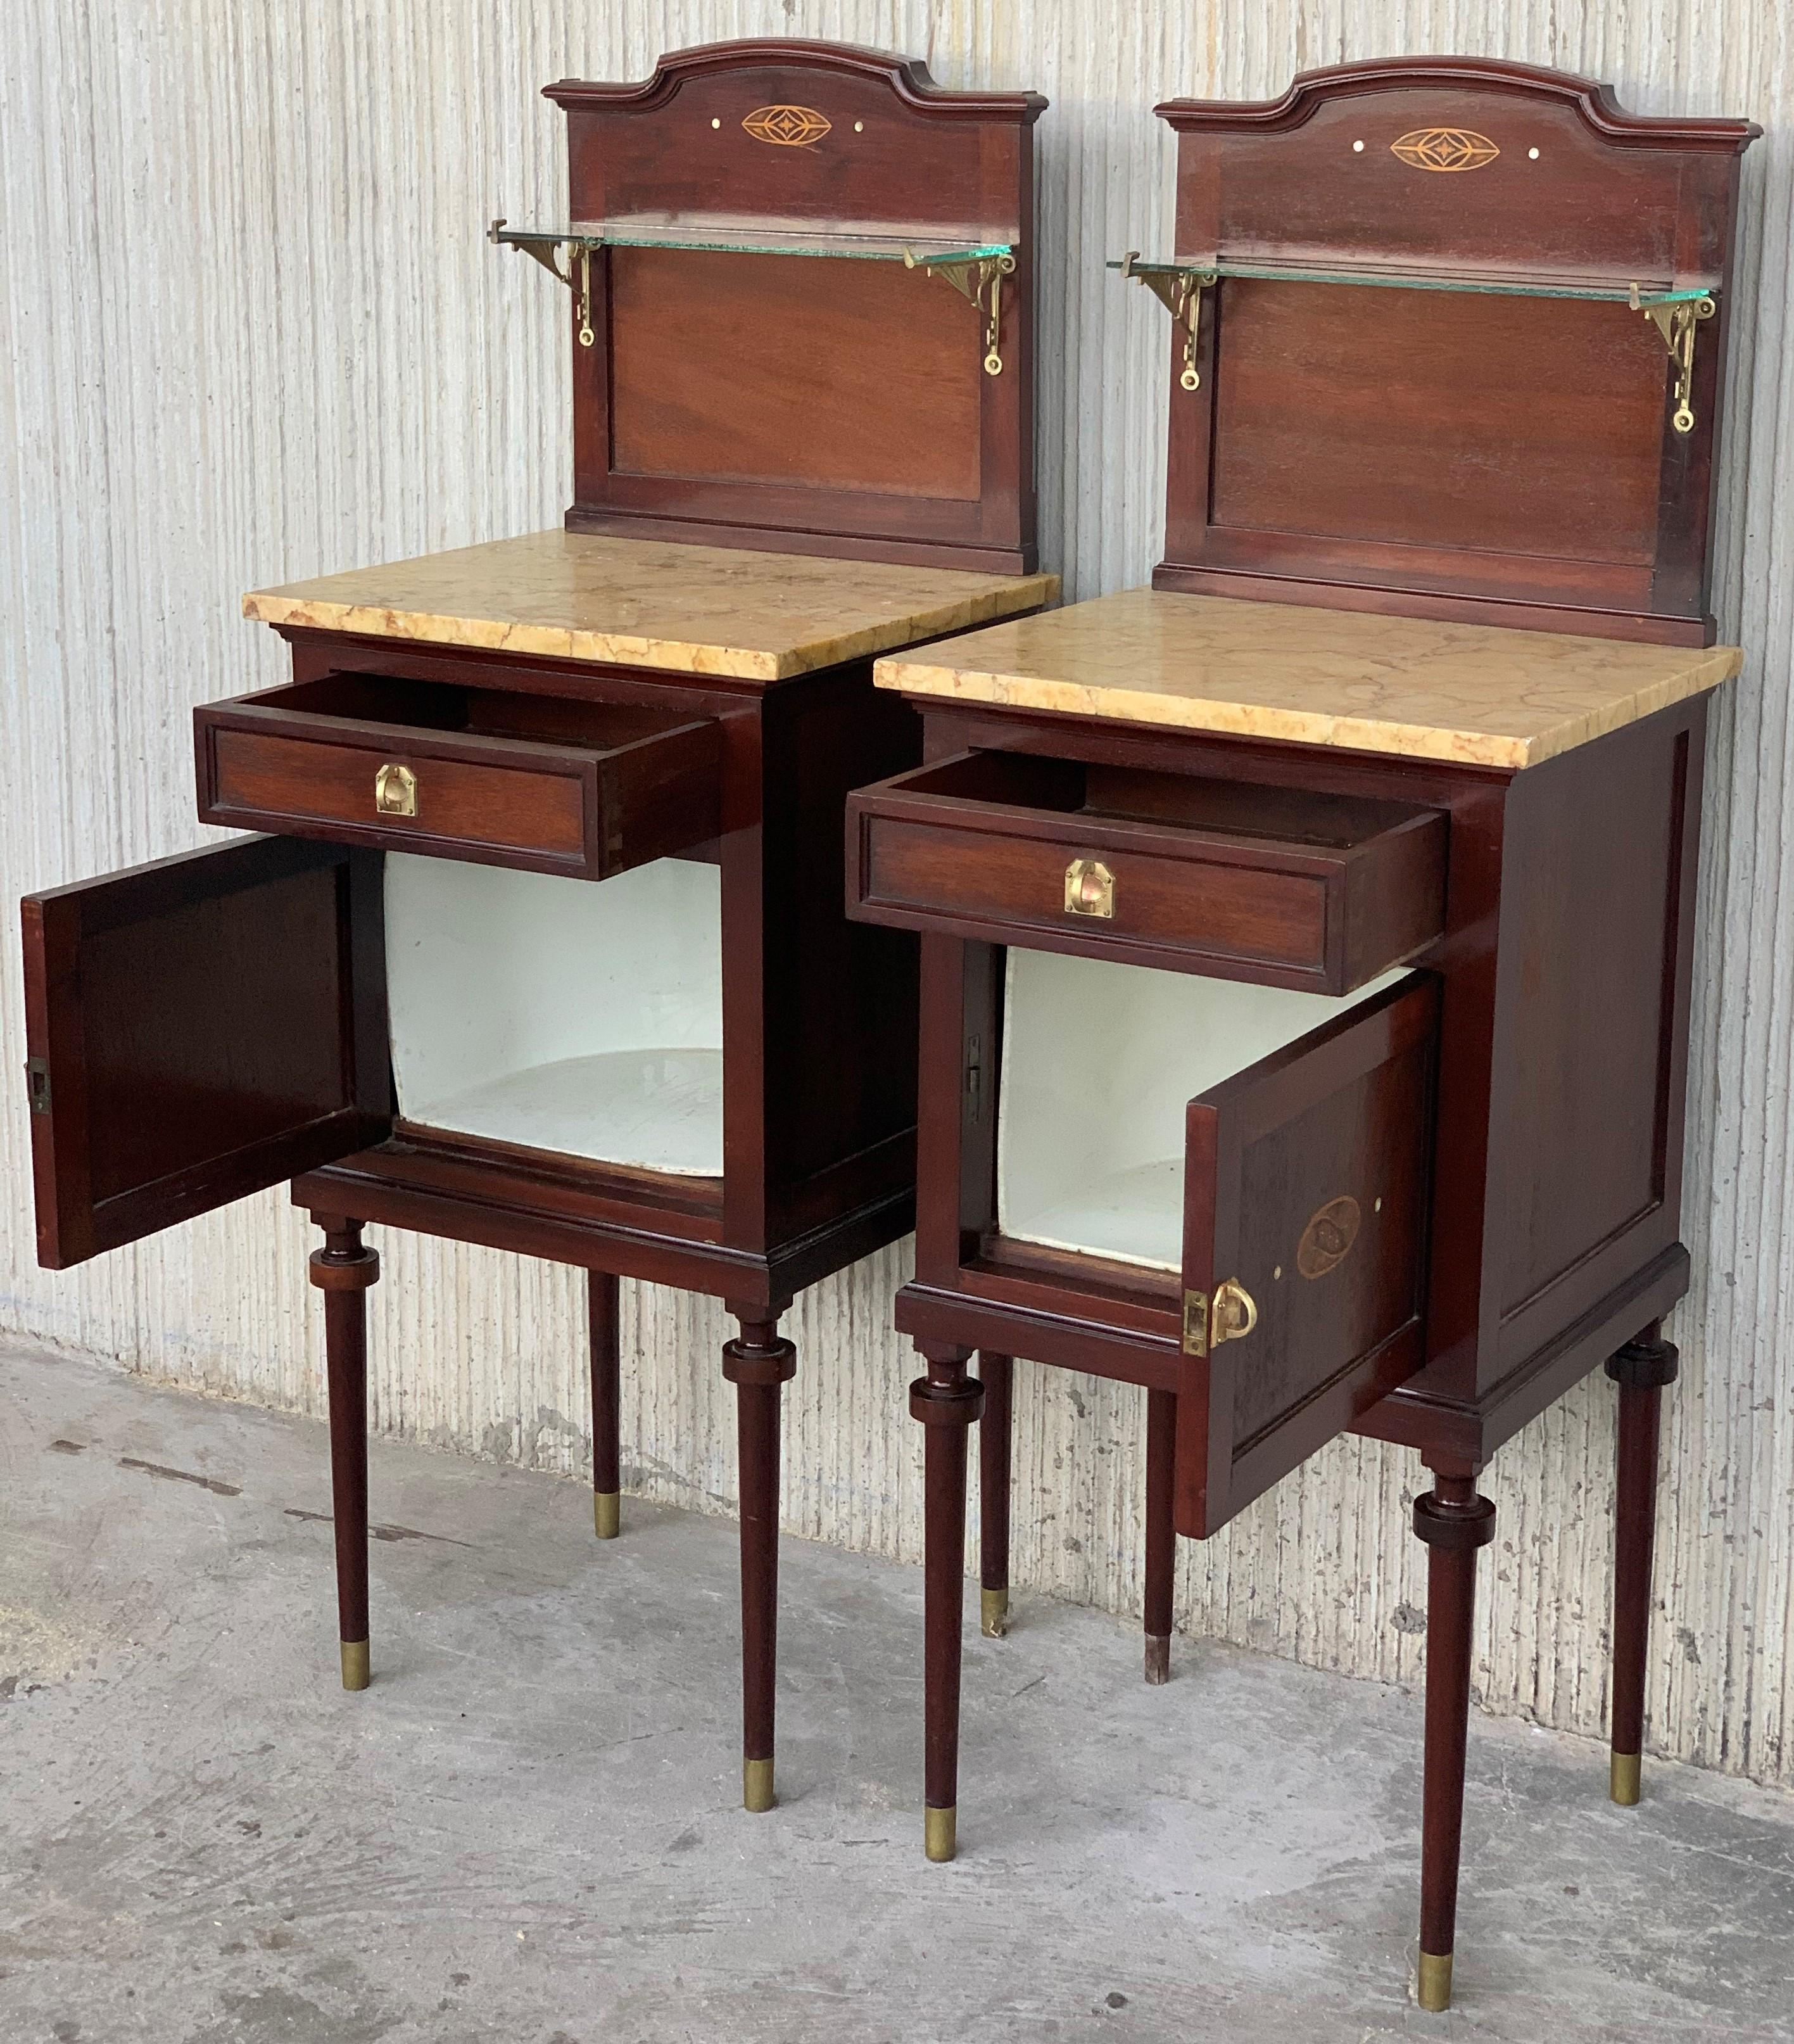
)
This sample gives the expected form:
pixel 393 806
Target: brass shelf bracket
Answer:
pixel 1180 292
pixel 1676 323
pixel 577 276
pixel 980 278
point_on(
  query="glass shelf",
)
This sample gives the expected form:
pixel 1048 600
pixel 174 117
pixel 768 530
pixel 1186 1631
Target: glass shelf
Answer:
pixel 1675 310
pixel 866 241
pixel 1639 297
pixel 974 267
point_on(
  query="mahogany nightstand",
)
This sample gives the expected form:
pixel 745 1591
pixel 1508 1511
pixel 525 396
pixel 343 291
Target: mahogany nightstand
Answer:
pixel 1306 940
pixel 546 949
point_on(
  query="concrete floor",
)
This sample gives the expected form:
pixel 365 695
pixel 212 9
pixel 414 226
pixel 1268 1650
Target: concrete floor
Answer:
pixel 527 1829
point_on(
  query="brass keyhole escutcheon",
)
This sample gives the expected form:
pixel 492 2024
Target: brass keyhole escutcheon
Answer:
pixel 395 791
pixel 1089 889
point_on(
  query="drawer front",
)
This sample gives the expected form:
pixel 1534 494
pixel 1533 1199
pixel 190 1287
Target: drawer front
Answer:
pixel 1141 901
pixel 283 783
pixel 1008 849
pixel 585 789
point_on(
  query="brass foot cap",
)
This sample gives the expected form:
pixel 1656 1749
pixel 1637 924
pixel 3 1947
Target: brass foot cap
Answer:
pixel 1433 1990
pixel 1159 1657
pixel 756 1785
pixel 607 1514
pixel 940 1833
pixel 993 1613
pixel 1623 1778
pixel 356 1672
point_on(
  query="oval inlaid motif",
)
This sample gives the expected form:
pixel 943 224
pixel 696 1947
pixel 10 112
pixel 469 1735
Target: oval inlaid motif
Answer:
pixel 1445 149
pixel 790 127
pixel 1328 1240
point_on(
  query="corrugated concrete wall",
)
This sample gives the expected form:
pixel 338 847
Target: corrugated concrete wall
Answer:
pixel 253 333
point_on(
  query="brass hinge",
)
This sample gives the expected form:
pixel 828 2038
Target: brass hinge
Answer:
pixel 37 1082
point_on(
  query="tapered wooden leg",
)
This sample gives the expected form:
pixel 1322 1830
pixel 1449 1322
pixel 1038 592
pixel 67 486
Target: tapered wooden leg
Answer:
pixel 607 1458
pixel 1642 1370
pixel 342 1270
pixel 758 1365
pixel 1162 1537
pixel 1454 1522
pixel 946 1401
pixel 996 1373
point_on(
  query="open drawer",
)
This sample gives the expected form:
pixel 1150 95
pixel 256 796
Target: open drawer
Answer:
pixel 581 789
pixel 1279 885
pixel 1259 1159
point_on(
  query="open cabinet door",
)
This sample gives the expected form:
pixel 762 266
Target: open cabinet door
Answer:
pixel 197 1029
pixel 1306 1205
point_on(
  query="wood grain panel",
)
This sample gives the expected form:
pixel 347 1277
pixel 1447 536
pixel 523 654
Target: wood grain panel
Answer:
pixel 1332 412
pixel 715 373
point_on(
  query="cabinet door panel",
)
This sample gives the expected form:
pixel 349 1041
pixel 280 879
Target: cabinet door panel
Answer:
pixel 1305 1202
pixel 199 1029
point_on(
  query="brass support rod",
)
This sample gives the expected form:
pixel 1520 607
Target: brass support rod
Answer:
pixel 586 336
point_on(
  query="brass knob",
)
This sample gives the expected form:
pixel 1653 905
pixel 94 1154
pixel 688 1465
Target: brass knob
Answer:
pixel 395 791
pixel 1089 889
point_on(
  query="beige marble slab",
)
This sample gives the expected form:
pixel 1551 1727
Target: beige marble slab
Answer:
pixel 1479 695
pixel 650 603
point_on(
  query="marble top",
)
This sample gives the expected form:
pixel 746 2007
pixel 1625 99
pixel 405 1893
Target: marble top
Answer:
pixel 652 603
pixel 1479 695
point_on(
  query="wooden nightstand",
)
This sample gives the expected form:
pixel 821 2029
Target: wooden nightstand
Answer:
pixel 546 949
pixel 1306 940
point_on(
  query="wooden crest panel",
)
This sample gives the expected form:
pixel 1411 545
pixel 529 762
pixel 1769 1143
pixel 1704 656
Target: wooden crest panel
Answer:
pixel 1414 410
pixel 821 402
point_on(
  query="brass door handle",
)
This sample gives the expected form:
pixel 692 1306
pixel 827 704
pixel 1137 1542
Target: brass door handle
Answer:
pixel 1230 1315
pixel 1233 1314
pixel 1089 889
pixel 395 791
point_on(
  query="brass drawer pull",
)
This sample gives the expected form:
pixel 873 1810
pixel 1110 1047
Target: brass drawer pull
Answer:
pixel 1089 889
pixel 395 792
